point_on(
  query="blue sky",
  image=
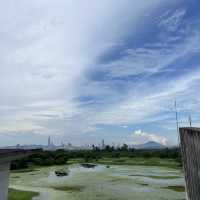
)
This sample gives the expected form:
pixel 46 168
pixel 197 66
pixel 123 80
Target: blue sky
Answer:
pixel 80 71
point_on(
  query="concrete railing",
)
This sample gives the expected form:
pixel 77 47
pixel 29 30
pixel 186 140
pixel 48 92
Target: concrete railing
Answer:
pixel 6 156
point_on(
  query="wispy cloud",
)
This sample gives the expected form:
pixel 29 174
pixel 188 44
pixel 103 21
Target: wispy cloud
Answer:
pixel 53 79
pixel 172 21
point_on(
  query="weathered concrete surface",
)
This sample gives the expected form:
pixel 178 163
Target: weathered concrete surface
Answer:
pixel 190 146
pixel 6 156
pixel 4 180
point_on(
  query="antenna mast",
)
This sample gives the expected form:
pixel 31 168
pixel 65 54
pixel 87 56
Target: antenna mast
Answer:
pixel 190 120
pixel 177 125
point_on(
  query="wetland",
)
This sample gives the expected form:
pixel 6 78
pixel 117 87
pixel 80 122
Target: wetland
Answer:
pixel 99 182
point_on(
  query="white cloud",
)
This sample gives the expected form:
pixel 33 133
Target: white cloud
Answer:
pixel 148 106
pixel 150 60
pixel 154 101
pixel 171 21
pixel 140 137
pixel 47 47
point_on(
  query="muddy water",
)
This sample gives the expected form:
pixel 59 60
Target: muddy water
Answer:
pixel 101 183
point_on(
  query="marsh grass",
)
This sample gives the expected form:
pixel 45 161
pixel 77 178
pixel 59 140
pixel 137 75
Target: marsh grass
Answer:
pixel 27 170
pixel 15 176
pixel 156 177
pixel 164 177
pixel 21 195
pixel 153 161
pixel 120 180
pixel 143 184
pixel 176 188
pixel 69 188
pixel 171 163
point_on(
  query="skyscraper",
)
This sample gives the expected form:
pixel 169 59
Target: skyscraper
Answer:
pixel 49 141
pixel 103 144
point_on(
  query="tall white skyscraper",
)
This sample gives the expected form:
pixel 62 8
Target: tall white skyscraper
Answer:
pixel 49 141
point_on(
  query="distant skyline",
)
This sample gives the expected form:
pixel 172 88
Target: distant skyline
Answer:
pixel 83 71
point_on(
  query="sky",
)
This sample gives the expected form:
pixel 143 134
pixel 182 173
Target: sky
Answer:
pixel 83 71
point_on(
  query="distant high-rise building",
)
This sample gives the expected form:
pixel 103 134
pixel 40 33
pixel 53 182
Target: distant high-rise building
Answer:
pixel 103 144
pixel 49 141
pixel 69 144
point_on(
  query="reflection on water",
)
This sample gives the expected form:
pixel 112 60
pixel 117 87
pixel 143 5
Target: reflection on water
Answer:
pixel 101 183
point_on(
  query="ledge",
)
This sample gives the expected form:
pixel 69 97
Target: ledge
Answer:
pixel 7 155
pixel 190 128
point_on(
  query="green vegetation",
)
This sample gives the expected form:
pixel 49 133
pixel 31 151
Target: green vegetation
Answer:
pixel 119 179
pixel 26 170
pixel 21 195
pixel 109 156
pixel 15 176
pixel 157 177
pixel 163 177
pixel 143 184
pixel 69 188
pixel 176 188
pixel 45 158
pixel 154 161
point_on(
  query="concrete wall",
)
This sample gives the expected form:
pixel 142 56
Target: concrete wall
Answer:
pixel 4 180
pixel 190 146
pixel 6 156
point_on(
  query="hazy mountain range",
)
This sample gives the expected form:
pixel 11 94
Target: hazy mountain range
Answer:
pixel 150 145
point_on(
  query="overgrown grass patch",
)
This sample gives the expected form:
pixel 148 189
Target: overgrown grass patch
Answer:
pixel 68 188
pixel 27 170
pixel 156 177
pixel 15 176
pixel 164 177
pixel 143 184
pixel 21 195
pixel 171 163
pixel 176 188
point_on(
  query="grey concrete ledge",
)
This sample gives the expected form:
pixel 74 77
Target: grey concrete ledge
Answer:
pixel 7 155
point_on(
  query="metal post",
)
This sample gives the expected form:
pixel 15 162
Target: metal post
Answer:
pixel 190 120
pixel 177 124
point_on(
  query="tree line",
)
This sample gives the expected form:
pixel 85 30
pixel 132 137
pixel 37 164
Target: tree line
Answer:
pixel 61 156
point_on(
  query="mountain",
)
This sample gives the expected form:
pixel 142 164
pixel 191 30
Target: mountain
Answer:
pixel 150 145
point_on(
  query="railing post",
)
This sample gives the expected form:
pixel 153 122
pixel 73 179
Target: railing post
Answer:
pixel 190 147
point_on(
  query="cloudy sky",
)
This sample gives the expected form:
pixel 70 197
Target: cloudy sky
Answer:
pixel 80 71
